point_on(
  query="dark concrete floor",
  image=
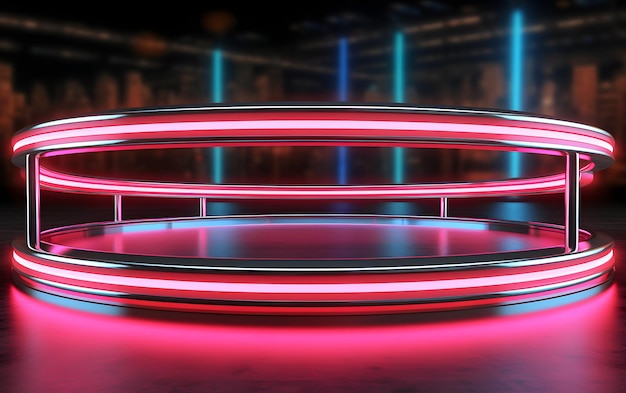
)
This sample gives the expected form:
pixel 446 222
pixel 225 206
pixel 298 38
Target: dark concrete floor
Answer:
pixel 575 344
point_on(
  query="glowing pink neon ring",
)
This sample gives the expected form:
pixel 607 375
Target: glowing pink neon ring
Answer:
pixel 425 288
pixel 312 124
pixel 514 278
pixel 54 180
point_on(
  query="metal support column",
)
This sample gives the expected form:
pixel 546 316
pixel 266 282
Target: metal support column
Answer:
pixel 572 201
pixel 117 208
pixel 443 207
pixel 33 202
pixel 202 206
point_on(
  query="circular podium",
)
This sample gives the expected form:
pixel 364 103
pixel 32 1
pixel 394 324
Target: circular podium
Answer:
pixel 315 263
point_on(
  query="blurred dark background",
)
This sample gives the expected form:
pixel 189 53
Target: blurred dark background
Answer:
pixel 62 59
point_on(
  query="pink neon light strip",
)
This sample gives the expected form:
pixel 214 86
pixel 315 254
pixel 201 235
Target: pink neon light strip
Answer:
pixel 521 135
pixel 79 293
pixel 269 288
pixel 53 179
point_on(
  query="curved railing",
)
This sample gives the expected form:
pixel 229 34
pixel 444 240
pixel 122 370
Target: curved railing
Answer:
pixel 584 150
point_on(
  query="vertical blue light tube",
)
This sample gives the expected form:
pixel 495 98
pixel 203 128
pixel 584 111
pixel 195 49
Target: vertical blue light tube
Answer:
pixel 217 76
pixel 217 98
pixel 343 69
pixel 516 99
pixel 218 155
pixel 398 67
pixel 342 159
pixel 398 95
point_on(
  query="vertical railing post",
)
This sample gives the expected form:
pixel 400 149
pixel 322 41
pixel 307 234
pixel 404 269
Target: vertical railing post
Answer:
pixel 572 201
pixel 443 207
pixel 33 202
pixel 117 208
pixel 202 206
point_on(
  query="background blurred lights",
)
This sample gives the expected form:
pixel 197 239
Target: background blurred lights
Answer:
pixel 219 22
pixel 149 44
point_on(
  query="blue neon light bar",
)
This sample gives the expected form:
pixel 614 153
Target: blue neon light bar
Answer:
pixel 218 156
pixel 343 69
pixel 217 76
pixel 342 159
pixel 517 61
pixel 398 91
pixel 398 165
pixel 217 98
pixel 398 95
pixel 516 80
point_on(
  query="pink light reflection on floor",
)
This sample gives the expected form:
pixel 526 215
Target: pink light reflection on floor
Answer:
pixel 559 349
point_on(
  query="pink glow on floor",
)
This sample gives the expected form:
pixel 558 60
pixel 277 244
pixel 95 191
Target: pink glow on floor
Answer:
pixel 550 350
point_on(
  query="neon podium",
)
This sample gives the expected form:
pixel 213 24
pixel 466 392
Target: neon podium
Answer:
pixel 561 258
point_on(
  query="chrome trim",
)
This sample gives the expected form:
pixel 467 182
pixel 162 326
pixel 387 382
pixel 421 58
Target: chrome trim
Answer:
pixel 443 207
pixel 202 206
pixel 117 208
pixel 33 201
pixel 572 201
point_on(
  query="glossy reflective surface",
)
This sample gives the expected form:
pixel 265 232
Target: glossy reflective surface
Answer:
pixel 305 239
